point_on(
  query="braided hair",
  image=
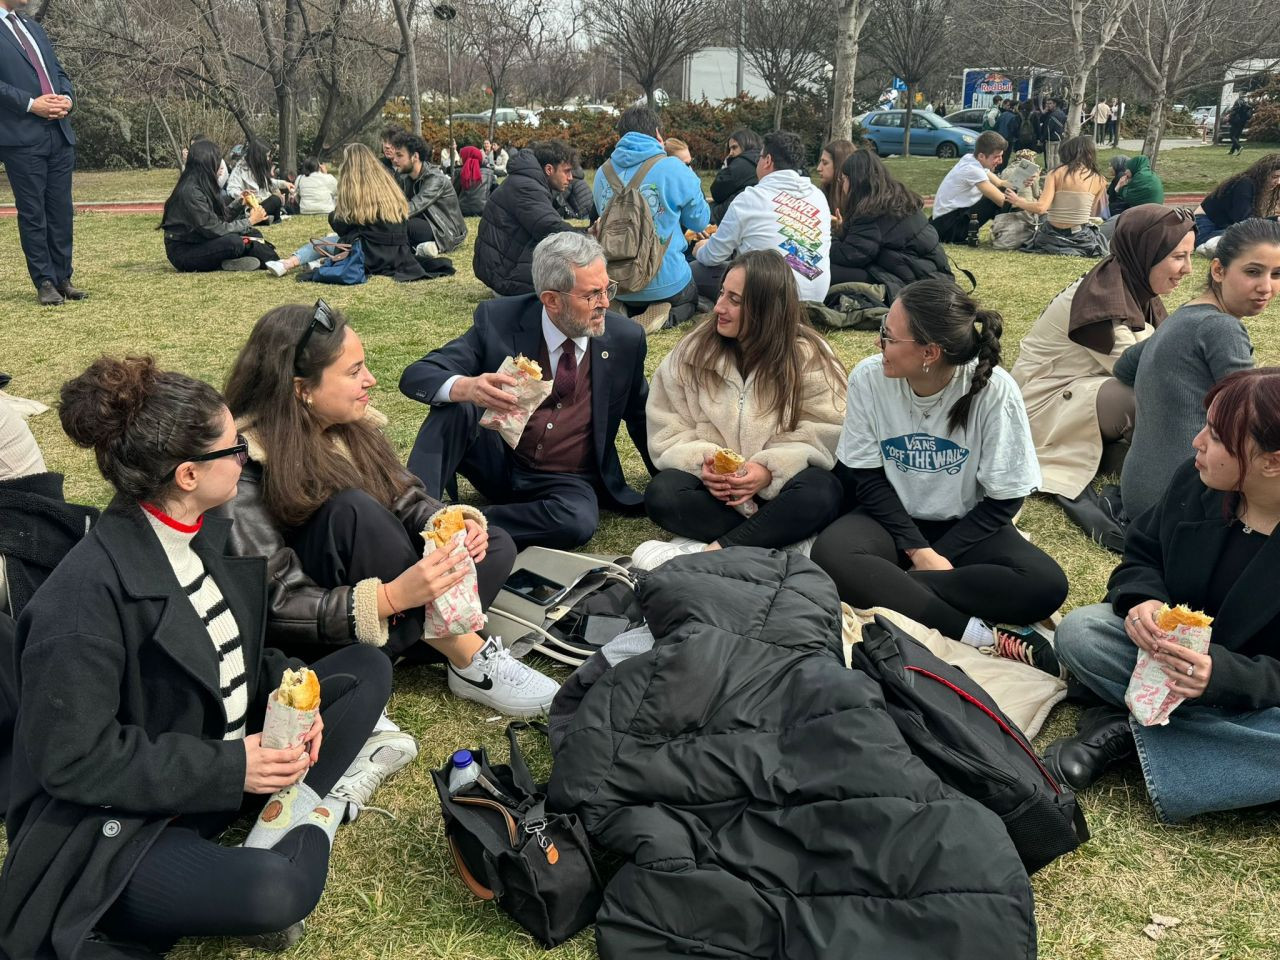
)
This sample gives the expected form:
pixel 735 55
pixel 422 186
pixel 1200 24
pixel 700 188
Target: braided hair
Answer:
pixel 940 312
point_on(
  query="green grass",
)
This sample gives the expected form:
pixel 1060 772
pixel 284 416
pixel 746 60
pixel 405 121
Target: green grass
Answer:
pixel 392 892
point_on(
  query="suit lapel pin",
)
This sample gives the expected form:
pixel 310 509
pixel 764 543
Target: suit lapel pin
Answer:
pixel 604 354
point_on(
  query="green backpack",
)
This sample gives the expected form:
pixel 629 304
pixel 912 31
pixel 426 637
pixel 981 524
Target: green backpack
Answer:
pixel 628 235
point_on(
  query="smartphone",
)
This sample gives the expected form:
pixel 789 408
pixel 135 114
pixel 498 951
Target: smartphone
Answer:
pixel 534 587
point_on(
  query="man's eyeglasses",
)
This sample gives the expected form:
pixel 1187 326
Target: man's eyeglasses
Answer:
pixel 885 338
pixel 596 297
pixel 322 318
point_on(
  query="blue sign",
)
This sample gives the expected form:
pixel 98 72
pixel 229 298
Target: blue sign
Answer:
pixel 983 86
pixel 899 83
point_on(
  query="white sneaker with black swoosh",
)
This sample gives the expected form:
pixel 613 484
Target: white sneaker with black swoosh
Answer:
pixel 503 683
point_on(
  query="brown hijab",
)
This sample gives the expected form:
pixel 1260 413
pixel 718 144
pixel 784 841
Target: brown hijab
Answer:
pixel 1116 290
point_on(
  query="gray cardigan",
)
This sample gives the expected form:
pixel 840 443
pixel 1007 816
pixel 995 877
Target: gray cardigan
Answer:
pixel 1171 372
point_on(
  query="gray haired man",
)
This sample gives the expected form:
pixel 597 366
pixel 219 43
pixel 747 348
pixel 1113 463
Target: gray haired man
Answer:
pixel 548 489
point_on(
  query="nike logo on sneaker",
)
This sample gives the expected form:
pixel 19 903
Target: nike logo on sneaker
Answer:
pixel 485 684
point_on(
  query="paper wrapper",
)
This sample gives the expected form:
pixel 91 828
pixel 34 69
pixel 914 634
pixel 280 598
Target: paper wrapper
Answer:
pixel 1020 174
pixel 1149 698
pixel 749 508
pixel 285 726
pixel 529 393
pixel 457 610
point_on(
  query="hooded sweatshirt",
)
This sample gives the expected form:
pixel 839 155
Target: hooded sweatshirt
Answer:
pixel 1144 186
pixel 783 212
pixel 674 193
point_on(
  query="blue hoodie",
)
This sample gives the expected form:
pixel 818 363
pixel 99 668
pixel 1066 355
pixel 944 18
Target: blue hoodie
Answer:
pixel 675 196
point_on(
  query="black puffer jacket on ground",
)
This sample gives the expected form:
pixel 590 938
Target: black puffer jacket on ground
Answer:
pixel 762 797
pixel 734 177
pixel 894 251
pixel 519 214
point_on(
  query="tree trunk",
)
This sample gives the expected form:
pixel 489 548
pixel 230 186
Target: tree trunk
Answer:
pixel 779 100
pixel 906 120
pixel 1079 86
pixel 650 95
pixel 406 38
pixel 848 26
pixel 493 119
pixel 1155 129
pixel 286 107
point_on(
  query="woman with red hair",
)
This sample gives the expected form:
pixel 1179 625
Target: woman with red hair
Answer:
pixel 473 179
pixel 1212 545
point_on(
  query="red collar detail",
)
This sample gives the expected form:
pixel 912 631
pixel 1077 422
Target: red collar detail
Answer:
pixel 173 524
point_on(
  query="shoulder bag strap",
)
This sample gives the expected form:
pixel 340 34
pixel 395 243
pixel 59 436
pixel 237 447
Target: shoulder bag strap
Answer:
pixel 520 769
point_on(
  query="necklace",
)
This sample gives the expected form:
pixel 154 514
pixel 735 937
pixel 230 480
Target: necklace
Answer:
pixel 924 412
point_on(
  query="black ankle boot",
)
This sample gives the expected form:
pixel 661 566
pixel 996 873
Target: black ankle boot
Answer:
pixel 1103 738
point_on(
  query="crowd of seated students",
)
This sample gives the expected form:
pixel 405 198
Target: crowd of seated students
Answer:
pixel 1071 197
pixel 254 174
pixel 1254 192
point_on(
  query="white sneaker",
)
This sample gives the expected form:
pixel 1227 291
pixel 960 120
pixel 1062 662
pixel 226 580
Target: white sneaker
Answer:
pixel 276 267
pixel 503 683
pixel 286 216
pixel 426 249
pixel 382 755
pixel 654 553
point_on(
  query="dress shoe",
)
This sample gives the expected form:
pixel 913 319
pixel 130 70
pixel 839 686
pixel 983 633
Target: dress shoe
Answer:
pixel 69 292
pixel 1102 738
pixel 49 296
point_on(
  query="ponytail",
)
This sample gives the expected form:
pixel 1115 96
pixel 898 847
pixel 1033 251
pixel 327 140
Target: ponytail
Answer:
pixel 940 312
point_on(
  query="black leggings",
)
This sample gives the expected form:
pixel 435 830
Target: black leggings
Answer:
pixel 353 537
pixel 1002 579
pixel 188 885
pixel 211 254
pixel 953 227
pixel 678 502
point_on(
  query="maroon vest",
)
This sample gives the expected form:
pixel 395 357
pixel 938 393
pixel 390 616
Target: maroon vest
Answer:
pixel 557 438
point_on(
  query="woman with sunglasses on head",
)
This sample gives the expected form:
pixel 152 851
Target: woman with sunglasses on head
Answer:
pixel 1200 343
pixel 325 498
pixel 1081 416
pixel 142 681
pixel 939 459
pixel 757 379
pixel 1211 544
pixel 201 231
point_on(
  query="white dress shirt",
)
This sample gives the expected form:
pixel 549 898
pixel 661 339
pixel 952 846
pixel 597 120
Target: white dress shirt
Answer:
pixel 555 340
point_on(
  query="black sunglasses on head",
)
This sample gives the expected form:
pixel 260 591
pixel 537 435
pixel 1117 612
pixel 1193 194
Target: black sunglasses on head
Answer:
pixel 322 318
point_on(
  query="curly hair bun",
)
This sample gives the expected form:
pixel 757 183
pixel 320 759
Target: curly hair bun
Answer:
pixel 97 406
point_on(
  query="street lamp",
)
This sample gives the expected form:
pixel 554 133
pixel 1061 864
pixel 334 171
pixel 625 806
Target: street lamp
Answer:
pixel 446 13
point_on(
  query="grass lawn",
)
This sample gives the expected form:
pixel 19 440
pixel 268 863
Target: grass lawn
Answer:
pixel 392 891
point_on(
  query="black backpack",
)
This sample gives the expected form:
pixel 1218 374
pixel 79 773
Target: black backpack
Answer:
pixel 954 726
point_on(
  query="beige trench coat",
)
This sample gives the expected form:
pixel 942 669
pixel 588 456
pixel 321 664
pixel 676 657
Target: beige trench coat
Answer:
pixel 1060 381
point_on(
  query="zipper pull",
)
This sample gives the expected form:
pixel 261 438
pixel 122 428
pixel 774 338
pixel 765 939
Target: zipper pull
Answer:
pixel 535 828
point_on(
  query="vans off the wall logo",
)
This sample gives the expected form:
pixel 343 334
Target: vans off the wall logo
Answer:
pixel 923 453
pixel 800 224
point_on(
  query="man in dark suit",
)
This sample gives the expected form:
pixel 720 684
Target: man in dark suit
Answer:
pixel 37 148
pixel 548 489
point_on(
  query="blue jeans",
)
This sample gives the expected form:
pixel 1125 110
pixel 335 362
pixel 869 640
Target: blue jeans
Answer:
pixel 1204 758
pixel 309 254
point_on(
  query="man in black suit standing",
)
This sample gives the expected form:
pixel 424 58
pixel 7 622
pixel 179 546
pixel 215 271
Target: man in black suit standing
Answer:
pixel 548 489
pixel 37 148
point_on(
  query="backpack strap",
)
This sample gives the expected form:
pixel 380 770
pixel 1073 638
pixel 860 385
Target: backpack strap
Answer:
pixel 612 176
pixel 645 168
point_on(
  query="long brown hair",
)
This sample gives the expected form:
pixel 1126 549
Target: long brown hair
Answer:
pixel 770 339
pixel 1080 157
pixel 1266 199
pixel 874 191
pixel 840 150
pixel 304 467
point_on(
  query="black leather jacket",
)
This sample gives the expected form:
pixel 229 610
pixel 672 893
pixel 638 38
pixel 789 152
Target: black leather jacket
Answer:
pixel 432 196
pixel 303 618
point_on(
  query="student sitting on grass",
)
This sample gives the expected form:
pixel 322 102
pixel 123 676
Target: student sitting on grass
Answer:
pixel 971 194
pixel 1254 192
pixel 831 179
pixel 1071 197
pixel 253 174
pixel 757 379
pixel 1139 184
pixel 372 210
pixel 1208 544
pixel 1081 415
pixel 342 534
pixel 473 181
pixel 200 232
pixel 738 171
pixel 939 459
pixel 142 677
pixel 1199 344
pixel 317 188
pixel 435 218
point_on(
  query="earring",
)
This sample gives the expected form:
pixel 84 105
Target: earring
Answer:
pixel 924 367
pixel 307 400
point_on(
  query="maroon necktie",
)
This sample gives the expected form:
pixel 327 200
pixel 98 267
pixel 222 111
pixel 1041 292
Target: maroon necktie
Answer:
pixel 46 87
pixel 566 372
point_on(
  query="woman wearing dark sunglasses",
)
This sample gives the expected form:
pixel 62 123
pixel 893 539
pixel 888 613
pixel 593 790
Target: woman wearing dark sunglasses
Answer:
pixel 325 498
pixel 939 458
pixel 142 682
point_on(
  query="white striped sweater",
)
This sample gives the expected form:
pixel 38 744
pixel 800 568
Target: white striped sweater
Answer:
pixel 211 607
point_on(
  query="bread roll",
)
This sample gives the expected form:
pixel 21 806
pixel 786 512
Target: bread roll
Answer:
pixel 299 689
pixel 444 524
pixel 1168 618
pixel 726 461
pixel 530 368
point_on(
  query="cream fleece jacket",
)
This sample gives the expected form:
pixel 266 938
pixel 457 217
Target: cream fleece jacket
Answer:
pixel 687 424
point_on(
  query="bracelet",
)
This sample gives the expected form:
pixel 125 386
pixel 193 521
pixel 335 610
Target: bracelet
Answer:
pixel 386 595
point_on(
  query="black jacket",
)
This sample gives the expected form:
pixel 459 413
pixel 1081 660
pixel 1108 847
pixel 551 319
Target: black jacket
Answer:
pixel 386 248
pixel 761 796
pixel 1055 125
pixel 509 326
pixel 19 84
pixel 431 197
pixel 519 214
pixel 37 529
pixel 889 250
pixel 473 199
pixel 734 177
pixel 1169 554
pixel 577 202
pixel 306 619
pixel 120 725
pixel 191 216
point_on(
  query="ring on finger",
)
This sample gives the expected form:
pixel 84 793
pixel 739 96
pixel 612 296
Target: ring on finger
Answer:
pixel 1191 671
